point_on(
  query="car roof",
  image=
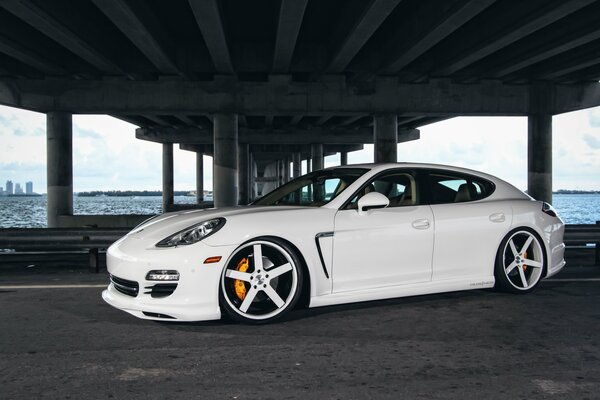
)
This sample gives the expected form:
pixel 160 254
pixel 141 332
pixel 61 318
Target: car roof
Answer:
pixel 383 166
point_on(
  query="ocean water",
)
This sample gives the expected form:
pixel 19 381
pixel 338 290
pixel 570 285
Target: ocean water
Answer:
pixel 30 212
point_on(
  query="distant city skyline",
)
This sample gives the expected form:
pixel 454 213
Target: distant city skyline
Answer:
pixel 16 188
pixel 107 156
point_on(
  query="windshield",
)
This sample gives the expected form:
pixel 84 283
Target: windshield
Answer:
pixel 313 190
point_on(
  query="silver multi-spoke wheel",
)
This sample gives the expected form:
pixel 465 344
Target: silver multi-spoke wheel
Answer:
pixel 520 262
pixel 261 281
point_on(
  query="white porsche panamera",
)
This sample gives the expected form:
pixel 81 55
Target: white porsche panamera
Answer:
pixel 339 235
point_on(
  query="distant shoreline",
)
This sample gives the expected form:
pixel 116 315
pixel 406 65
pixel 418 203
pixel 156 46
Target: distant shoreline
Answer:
pixel 21 195
pixel 564 191
pixel 131 193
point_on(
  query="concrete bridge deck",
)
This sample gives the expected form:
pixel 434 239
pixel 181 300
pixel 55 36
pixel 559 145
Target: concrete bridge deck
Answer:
pixel 66 343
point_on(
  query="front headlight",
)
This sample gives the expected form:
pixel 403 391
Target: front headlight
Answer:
pixel 193 234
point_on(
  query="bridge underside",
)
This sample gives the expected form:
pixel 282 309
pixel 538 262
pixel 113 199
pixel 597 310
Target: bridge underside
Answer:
pixel 264 85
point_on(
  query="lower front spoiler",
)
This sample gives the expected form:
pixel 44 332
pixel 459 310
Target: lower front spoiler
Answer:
pixel 161 312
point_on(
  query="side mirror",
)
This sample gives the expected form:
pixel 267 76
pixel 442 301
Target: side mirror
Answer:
pixel 372 200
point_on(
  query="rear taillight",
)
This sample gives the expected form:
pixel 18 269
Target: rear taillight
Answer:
pixel 548 209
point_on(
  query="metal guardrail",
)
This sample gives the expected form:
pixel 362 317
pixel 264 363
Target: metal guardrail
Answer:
pixel 582 235
pixel 95 240
pixel 51 240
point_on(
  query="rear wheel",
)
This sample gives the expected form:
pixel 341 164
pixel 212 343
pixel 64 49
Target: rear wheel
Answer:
pixel 261 282
pixel 520 261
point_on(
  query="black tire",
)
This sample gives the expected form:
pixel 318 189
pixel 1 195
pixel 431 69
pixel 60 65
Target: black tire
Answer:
pixel 520 261
pixel 250 292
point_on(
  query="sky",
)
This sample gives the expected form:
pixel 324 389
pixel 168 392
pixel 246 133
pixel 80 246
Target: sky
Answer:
pixel 107 156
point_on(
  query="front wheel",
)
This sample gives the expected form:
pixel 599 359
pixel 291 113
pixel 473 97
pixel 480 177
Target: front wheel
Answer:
pixel 261 281
pixel 520 262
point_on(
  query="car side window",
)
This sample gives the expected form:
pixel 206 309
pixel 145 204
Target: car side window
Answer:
pixel 399 187
pixel 451 188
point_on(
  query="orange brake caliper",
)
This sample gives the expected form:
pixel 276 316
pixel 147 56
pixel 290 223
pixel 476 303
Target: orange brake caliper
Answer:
pixel 240 287
pixel 524 266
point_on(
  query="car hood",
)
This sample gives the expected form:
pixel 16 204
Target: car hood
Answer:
pixel 168 224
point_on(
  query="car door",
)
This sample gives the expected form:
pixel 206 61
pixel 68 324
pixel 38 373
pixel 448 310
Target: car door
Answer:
pixel 468 229
pixel 388 246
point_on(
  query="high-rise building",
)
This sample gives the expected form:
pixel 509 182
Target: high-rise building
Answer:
pixel 18 189
pixel 29 187
pixel 9 187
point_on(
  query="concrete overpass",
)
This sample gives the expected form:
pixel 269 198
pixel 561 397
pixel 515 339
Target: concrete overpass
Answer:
pixel 231 75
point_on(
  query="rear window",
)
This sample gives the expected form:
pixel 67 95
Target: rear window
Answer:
pixel 457 188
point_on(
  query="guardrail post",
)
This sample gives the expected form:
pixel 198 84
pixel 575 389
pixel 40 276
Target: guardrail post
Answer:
pixel 94 260
pixel 597 257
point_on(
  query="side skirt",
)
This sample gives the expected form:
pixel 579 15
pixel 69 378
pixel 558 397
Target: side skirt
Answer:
pixel 414 289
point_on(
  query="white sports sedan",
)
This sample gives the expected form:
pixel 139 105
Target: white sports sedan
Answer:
pixel 339 235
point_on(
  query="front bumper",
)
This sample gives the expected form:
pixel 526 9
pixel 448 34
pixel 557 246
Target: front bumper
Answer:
pixel 196 297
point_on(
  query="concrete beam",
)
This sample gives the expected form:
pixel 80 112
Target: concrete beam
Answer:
pixel 303 149
pixel 331 96
pixel 567 68
pixel 127 17
pixel 585 96
pixel 186 120
pixel 291 14
pixel 350 120
pixel 548 50
pixel 207 149
pixel 511 35
pixel 366 25
pixel 132 119
pixel 208 18
pixel 28 57
pixel 42 21
pixel 296 119
pixel 452 20
pixel 273 136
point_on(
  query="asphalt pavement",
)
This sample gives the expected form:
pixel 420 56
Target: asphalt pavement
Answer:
pixel 64 342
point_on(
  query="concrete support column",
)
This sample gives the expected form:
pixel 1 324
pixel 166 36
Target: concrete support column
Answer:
pixel 244 173
pixel 297 164
pixel 385 130
pixel 286 169
pixel 167 177
pixel 539 157
pixel 308 165
pixel 199 178
pixel 343 158
pixel 225 161
pixel 252 181
pixel 318 160
pixel 59 167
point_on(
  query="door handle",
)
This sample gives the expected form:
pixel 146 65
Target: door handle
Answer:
pixel 421 224
pixel 498 217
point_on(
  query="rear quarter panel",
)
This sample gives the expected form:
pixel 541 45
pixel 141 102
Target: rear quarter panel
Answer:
pixel 551 230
